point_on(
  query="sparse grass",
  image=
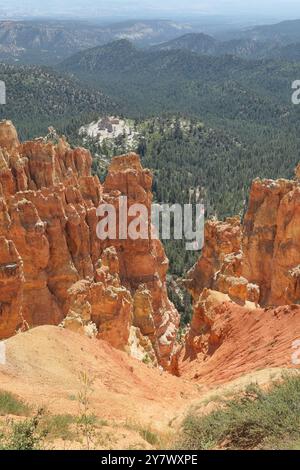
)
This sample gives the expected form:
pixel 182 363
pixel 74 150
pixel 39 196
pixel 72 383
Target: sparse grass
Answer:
pixel 102 422
pixel 146 359
pixel 257 420
pixel 59 426
pixel 12 405
pixel 72 397
pixel 24 435
pixel 86 421
pixel 137 446
pixel 41 427
pixel 146 433
pixel 149 436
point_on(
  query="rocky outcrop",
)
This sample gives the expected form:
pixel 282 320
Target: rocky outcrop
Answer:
pixel 55 269
pixel 46 215
pixel 271 240
pixel 258 261
pixel 204 335
pixel 141 348
pixel 220 240
pixel 241 267
pixel 8 137
pixel 104 303
pixel 220 266
pixel 11 288
pixel 143 263
pixel 227 341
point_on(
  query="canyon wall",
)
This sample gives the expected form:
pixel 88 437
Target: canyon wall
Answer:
pixel 53 266
pixel 258 259
pixel 271 241
pixel 244 265
pixel 221 264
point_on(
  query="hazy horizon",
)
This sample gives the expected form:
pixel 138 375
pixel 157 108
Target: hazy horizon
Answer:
pixel 147 9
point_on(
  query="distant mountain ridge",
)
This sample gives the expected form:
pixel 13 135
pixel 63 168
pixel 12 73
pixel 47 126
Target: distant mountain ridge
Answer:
pixel 151 80
pixel 245 47
pixel 195 42
pixel 48 42
pixel 114 56
pixel 285 32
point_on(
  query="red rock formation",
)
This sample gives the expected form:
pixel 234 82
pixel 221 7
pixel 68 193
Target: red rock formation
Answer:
pixel 258 262
pixel 220 240
pixel 271 241
pixel 143 263
pixel 104 303
pixel 11 288
pixel 227 341
pixel 48 220
pixel 220 265
pixel 8 137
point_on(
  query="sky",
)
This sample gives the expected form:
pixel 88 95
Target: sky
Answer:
pixel 154 8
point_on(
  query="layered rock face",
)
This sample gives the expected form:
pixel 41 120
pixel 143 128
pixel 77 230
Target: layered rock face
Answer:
pixel 221 239
pixel 258 260
pixel 271 241
pixel 102 307
pixel 243 266
pixel 143 263
pixel 221 265
pixel 48 217
pixel 11 287
pixel 54 268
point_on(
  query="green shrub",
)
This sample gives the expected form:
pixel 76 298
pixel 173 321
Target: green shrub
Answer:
pixel 259 419
pixel 146 359
pixel 24 435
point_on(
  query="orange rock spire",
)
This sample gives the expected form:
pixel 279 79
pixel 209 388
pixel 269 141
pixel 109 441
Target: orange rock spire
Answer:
pixel 53 266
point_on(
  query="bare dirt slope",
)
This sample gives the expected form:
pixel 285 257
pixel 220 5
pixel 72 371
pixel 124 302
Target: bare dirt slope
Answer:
pixel 43 367
pixel 241 341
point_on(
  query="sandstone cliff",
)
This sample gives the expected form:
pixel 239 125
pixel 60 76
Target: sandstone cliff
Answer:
pixel 143 263
pixel 247 264
pixel 221 264
pixel 259 259
pixel 53 266
pixel 271 241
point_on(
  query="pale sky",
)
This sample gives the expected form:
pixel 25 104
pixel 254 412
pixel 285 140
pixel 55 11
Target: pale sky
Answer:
pixel 284 8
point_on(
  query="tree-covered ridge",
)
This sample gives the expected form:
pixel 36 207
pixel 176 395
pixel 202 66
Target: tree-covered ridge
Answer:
pixel 39 97
pixel 188 157
pixel 151 82
pixel 234 118
pixel 195 162
pixel 251 126
pixel 252 47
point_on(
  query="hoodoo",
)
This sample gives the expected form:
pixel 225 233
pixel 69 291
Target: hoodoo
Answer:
pixel 54 269
pixel 245 289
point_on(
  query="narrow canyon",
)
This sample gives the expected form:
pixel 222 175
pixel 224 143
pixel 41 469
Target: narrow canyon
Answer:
pixel 65 295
